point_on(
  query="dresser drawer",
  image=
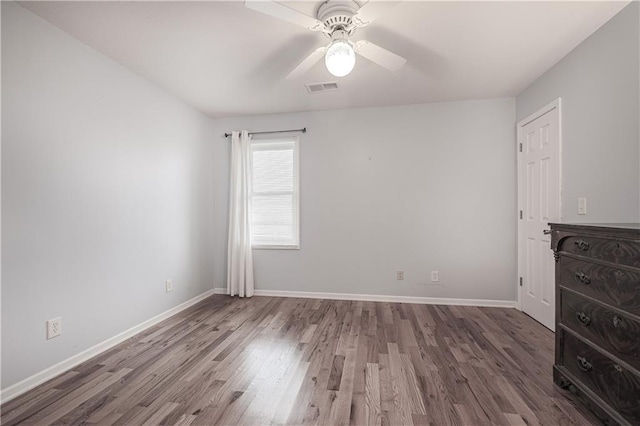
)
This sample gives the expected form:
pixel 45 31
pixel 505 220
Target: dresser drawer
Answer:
pixel 615 333
pixel 615 286
pixel 617 386
pixel 616 251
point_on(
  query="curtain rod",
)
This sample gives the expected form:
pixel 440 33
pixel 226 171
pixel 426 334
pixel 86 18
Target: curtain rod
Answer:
pixel 303 130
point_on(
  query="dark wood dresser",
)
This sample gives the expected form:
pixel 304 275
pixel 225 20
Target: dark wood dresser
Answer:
pixel 598 317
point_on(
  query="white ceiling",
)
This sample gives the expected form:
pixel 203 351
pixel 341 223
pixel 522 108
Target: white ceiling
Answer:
pixel 227 60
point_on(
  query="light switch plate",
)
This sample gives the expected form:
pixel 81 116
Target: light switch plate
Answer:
pixel 582 205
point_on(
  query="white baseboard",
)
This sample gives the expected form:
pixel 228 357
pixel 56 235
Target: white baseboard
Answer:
pixel 383 298
pixel 59 368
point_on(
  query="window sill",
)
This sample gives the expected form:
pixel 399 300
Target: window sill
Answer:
pixel 274 247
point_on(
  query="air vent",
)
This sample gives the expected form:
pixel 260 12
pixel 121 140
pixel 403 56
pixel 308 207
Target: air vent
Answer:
pixel 321 87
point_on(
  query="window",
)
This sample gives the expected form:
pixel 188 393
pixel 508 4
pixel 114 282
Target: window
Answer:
pixel 275 190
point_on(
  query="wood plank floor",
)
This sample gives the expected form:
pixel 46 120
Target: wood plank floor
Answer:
pixel 270 360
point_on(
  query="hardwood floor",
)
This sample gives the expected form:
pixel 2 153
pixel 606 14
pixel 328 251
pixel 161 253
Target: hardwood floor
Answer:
pixel 297 361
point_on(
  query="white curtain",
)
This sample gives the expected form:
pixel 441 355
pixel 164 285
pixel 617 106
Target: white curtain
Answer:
pixel 239 256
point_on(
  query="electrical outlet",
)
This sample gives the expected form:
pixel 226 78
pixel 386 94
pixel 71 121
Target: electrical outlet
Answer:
pixel 400 275
pixel 168 285
pixel 54 328
pixel 582 205
pixel 435 277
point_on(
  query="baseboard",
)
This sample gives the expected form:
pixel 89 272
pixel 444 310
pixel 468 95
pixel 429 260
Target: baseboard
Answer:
pixel 53 371
pixel 383 298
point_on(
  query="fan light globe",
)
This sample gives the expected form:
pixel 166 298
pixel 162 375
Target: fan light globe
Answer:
pixel 340 58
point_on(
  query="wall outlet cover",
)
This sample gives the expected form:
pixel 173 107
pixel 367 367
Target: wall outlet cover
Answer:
pixel 54 327
pixel 168 285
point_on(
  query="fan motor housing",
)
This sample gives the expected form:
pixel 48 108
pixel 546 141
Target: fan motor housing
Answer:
pixel 337 14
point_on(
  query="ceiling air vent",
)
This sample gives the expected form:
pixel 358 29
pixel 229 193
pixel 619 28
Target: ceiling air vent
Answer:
pixel 321 87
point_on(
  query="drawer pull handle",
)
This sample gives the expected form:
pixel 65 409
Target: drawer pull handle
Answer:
pixel 584 364
pixel 617 321
pixel 583 318
pixel 582 245
pixel 583 278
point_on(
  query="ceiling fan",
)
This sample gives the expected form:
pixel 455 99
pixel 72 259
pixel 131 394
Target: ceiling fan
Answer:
pixel 337 20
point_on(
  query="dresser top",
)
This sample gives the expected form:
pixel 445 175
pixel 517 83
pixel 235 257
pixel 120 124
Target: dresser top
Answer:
pixel 629 231
pixel 627 226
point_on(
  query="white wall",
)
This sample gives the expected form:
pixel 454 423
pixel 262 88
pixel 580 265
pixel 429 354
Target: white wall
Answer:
pixel 599 86
pixel 413 188
pixel 106 185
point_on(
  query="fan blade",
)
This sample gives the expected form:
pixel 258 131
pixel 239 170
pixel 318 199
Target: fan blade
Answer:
pixel 372 10
pixel 307 63
pixel 270 7
pixel 380 56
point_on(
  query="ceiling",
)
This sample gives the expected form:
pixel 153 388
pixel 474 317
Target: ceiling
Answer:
pixel 227 60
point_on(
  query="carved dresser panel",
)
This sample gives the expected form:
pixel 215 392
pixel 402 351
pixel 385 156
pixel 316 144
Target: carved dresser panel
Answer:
pixel 598 317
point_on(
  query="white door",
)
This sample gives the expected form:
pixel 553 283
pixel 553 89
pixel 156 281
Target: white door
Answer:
pixel 539 199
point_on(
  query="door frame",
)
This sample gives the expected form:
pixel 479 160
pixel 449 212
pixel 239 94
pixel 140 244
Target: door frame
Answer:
pixel 557 105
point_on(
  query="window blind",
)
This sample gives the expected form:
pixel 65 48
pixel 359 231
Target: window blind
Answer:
pixel 274 199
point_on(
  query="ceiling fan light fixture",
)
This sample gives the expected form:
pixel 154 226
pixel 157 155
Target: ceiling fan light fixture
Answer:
pixel 340 58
